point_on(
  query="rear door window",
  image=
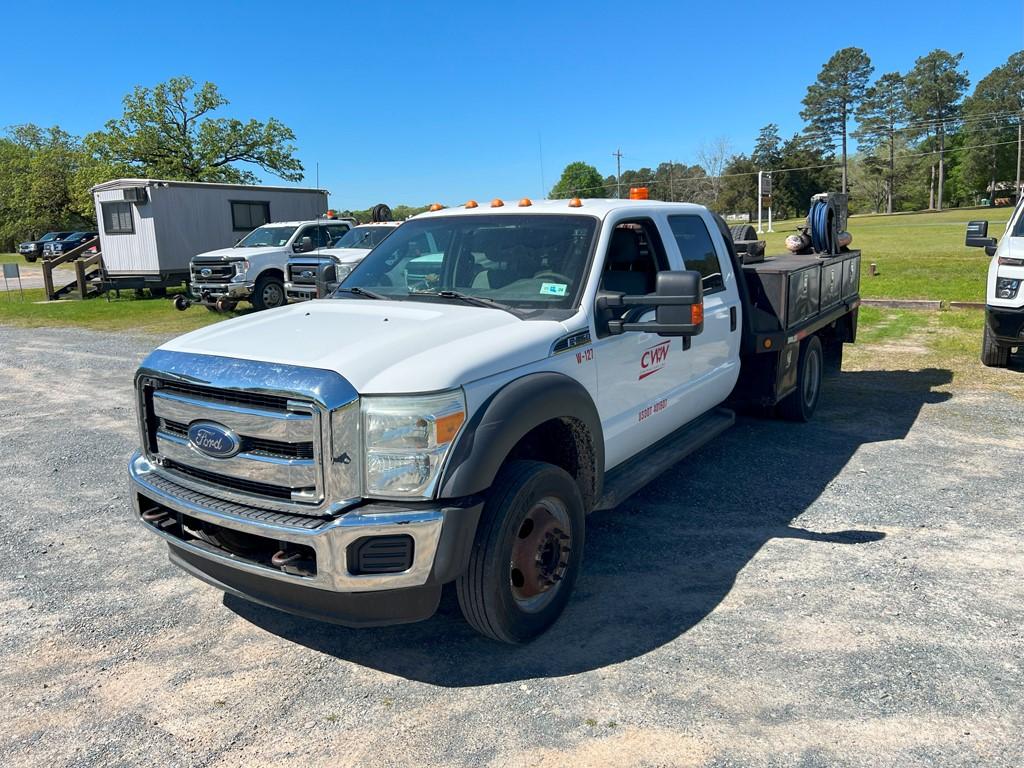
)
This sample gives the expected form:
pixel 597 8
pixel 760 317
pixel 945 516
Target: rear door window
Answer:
pixel 698 250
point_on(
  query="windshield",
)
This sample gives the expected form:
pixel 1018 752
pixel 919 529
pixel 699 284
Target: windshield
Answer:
pixel 528 261
pixel 363 237
pixel 264 236
pixel 49 236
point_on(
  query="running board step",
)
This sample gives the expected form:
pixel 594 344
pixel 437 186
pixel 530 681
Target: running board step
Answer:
pixel 632 475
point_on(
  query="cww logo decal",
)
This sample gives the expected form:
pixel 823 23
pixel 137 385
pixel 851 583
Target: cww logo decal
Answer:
pixel 653 359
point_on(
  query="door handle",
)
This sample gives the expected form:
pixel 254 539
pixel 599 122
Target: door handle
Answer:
pixel 732 319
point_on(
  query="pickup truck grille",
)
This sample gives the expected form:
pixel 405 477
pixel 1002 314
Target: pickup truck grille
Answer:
pixel 277 462
pixel 303 274
pixel 219 272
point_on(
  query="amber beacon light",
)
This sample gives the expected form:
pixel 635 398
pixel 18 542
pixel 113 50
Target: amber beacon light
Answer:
pixel 638 193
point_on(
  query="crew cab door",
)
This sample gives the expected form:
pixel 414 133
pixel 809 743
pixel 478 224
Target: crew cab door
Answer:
pixel 642 378
pixel 714 354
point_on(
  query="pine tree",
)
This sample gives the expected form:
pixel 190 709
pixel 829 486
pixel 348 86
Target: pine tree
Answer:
pixel 879 116
pixel 831 100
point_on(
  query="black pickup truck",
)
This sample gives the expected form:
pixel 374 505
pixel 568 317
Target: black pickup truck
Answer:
pixel 33 249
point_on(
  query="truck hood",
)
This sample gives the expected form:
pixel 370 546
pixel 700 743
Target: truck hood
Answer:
pixel 382 347
pixel 237 253
pixel 342 255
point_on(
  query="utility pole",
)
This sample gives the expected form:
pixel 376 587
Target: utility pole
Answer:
pixel 672 182
pixel 1020 138
pixel 760 197
pixel 617 154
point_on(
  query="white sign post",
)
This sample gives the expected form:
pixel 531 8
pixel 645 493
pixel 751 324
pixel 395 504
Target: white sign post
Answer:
pixel 760 196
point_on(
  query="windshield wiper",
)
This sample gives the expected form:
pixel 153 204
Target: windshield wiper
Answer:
pixel 477 301
pixel 362 292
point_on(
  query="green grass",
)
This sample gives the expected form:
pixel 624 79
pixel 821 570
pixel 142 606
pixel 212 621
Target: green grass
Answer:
pixel 918 255
pixel 12 258
pixel 131 314
pixel 908 339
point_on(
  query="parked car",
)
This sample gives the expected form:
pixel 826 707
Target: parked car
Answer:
pixel 1004 299
pixel 482 380
pixel 33 249
pixel 72 241
pixel 254 268
pixel 316 275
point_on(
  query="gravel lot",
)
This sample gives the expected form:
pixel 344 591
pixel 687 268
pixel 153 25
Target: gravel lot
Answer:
pixel 847 592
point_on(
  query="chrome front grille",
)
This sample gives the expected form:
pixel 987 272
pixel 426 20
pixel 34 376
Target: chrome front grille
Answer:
pixel 296 273
pixel 219 272
pixel 277 459
pixel 295 430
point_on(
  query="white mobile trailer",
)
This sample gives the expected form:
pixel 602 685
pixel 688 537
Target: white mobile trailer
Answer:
pixel 150 228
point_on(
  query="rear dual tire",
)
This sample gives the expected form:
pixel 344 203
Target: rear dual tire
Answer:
pixel 527 553
pixel 800 404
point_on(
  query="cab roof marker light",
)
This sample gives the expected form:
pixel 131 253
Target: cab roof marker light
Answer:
pixel 525 202
pixel 575 203
pixel 497 202
pixel 436 207
pixel 471 204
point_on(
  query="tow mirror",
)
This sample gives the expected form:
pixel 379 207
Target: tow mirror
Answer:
pixel 678 302
pixel 304 244
pixel 977 237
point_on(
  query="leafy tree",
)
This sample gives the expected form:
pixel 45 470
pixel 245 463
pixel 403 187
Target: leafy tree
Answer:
pixel 832 98
pixel 879 117
pixel 934 89
pixel 739 186
pixel 579 179
pixel 38 167
pixel 814 172
pixel 992 116
pixel 168 132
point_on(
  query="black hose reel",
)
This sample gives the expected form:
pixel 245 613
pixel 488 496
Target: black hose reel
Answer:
pixel 380 212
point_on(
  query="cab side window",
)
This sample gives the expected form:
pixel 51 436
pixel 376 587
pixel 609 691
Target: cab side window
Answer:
pixel 698 250
pixel 635 256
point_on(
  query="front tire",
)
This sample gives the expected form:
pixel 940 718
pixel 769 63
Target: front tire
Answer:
pixel 992 354
pixel 30 259
pixel 802 402
pixel 527 553
pixel 268 293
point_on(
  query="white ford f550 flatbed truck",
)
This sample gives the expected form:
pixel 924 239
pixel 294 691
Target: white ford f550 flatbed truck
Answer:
pixel 482 380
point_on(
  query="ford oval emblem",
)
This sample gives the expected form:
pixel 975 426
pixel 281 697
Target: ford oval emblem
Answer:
pixel 306 274
pixel 205 271
pixel 213 439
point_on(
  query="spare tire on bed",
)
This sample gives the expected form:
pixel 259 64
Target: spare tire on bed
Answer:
pixel 742 232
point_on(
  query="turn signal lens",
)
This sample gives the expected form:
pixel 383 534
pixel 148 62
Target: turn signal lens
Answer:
pixel 525 202
pixel 767 343
pixel 697 314
pixel 497 202
pixel 446 427
pixel 471 204
pixel 575 203
pixel 436 207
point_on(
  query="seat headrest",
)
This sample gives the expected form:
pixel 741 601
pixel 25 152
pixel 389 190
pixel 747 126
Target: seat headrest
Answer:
pixel 623 250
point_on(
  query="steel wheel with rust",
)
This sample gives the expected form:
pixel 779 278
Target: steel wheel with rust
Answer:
pixel 527 552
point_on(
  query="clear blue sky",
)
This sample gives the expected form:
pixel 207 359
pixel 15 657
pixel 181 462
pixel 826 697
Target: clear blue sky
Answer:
pixel 417 102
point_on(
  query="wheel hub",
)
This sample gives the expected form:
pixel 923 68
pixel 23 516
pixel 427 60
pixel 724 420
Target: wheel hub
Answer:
pixel 540 554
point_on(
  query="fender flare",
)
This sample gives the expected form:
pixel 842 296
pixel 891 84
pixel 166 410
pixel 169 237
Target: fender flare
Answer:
pixel 507 416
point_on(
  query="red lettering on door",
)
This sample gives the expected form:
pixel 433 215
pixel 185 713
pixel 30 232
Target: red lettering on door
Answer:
pixel 653 359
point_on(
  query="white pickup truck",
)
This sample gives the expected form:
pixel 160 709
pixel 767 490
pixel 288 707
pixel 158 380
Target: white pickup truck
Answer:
pixel 1004 300
pixel 482 380
pixel 253 269
pixel 315 275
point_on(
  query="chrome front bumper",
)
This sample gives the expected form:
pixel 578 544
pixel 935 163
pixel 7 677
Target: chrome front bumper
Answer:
pixel 219 290
pixel 329 539
pixel 302 292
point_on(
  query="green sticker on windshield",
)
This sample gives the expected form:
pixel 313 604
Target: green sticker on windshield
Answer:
pixel 553 289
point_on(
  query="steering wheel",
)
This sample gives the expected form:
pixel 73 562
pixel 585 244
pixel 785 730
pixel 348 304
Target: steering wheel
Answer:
pixel 559 278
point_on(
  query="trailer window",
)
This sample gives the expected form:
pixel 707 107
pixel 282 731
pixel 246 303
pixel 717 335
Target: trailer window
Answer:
pixel 117 218
pixel 246 215
pixel 697 250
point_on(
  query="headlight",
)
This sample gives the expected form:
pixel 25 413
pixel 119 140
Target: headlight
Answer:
pixel 342 271
pixel 407 440
pixel 241 267
pixel 1007 287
